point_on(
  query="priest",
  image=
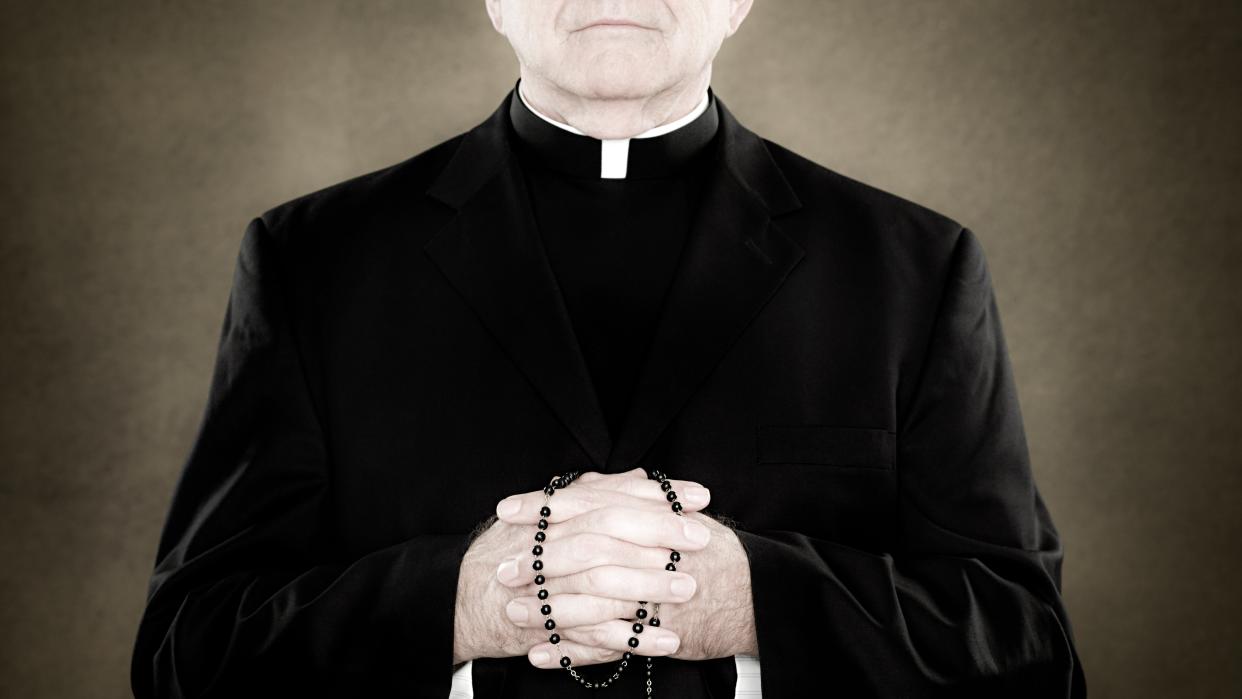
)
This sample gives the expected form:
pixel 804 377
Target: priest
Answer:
pixel 455 397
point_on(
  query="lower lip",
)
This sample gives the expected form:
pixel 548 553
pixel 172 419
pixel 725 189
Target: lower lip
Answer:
pixel 614 26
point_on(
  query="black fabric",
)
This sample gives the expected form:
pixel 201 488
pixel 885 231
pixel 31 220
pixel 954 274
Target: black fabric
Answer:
pixel 613 243
pixel 397 356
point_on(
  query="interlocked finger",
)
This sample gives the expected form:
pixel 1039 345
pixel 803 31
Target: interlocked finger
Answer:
pixel 579 655
pixel 568 610
pixel 620 582
pixel 625 635
pixel 605 642
pixel 645 528
pixel 636 483
pixel 528 508
pixel 577 552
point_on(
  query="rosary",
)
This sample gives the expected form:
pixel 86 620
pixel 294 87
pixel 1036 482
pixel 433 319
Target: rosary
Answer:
pixel 641 613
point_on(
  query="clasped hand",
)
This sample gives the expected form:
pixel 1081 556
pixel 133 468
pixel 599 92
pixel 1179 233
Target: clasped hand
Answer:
pixel 609 537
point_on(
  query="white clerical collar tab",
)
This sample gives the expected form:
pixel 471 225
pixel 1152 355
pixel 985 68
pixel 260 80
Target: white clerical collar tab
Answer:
pixel 614 153
pixel 614 156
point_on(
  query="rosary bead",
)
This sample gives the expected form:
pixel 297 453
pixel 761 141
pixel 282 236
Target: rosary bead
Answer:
pixel 549 624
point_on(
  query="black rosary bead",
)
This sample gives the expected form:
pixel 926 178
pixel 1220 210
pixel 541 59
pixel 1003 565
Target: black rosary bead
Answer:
pixel 641 613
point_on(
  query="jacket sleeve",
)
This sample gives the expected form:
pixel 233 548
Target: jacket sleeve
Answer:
pixel 248 597
pixel 968 603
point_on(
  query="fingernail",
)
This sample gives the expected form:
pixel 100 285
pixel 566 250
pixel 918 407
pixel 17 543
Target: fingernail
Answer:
pixel 682 587
pixel 507 570
pixel 696 533
pixel 540 656
pixel 696 495
pixel 517 612
pixel 668 643
pixel 508 507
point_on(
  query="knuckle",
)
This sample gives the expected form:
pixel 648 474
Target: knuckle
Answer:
pixel 597 636
pixel 596 579
pixel 601 655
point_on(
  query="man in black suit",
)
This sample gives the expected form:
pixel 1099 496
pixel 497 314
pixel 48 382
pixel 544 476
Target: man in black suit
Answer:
pixel 610 275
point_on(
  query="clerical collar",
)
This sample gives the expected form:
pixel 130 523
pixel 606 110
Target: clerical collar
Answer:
pixel 657 152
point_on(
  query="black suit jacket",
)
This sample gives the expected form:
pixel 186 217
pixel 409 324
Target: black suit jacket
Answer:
pixel 396 357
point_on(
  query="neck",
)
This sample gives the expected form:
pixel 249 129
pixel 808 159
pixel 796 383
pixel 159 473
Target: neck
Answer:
pixel 613 118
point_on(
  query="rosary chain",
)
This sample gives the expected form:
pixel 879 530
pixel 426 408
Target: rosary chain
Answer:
pixel 563 481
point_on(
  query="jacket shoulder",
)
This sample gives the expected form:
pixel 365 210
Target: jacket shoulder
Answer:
pixel 852 207
pixel 372 194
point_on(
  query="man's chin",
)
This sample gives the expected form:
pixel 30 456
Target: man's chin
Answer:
pixel 622 81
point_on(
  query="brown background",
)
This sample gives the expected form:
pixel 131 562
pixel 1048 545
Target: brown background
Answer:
pixel 1092 146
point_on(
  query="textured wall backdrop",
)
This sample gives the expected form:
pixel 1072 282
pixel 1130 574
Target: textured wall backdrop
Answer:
pixel 1093 146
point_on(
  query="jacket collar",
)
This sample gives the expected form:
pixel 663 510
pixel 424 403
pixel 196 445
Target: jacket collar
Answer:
pixel 736 257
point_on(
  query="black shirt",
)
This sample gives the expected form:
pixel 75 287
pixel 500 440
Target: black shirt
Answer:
pixel 613 243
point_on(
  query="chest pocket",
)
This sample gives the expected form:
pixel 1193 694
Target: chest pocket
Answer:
pixel 836 483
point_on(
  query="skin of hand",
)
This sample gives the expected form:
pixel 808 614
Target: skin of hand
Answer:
pixel 611 528
pixel 482 628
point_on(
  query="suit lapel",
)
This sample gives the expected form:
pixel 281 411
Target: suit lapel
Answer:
pixel 736 257
pixel 492 254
